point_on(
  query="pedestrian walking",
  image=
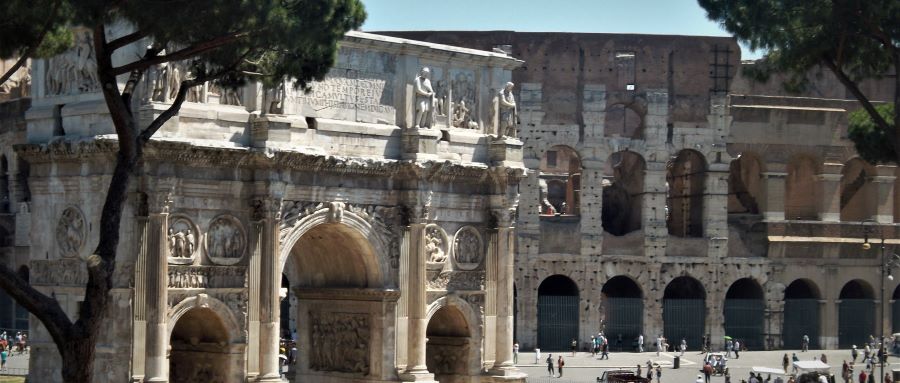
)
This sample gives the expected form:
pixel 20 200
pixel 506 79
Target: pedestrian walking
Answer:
pixel 703 348
pixel 863 378
pixel 683 346
pixel 854 353
pixel 640 344
pixel 559 364
pixel 824 358
pixel 639 370
pixel 737 349
pixel 794 358
pixel 785 362
pixel 3 354
pixel 537 355
pixel 604 350
pixel 574 347
pixel 659 344
pixel 804 344
pixel 516 353
pixel 658 374
pixel 707 371
pixel 729 346
pixel 550 369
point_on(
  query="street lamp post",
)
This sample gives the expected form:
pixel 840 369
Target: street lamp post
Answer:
pixel 886 266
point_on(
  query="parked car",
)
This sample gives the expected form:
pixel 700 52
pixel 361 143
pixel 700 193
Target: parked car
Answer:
pixel 621 376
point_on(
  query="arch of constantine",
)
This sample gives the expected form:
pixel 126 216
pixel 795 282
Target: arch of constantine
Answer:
pixel 381 206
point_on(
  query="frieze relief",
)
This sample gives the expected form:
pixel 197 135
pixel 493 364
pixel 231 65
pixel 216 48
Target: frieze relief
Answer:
pixel 340 342
pixel 59 272
pixel 207 277
pixel 71 232
pixel 436 244
pixel 75 70
pixel 226 240
pixel 468 248
pixel 181 240
pixel 457 280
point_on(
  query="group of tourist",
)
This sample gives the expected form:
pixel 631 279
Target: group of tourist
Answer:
pixel 8 344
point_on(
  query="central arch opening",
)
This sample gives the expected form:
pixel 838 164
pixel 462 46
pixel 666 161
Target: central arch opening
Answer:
pixel 448 347
pixel 334 276
pixel 856 313
pixel 801 314
pixel 623 191
pixel 745 313
pixel 557 313
pixel 623 310
pixel 199 348
pixel 686 179
pixel 684 312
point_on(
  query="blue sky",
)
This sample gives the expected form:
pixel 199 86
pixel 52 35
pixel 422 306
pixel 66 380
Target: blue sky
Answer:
pixel 669 17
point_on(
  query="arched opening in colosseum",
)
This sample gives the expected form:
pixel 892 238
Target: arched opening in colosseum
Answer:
pixel 686 179
pixel 801 314
pixel 449 345
pixel 557 311
pixel 560 181
pixel 623 121
pixel 684 311
pixel 4 185
pixel 199 348
pixel 744 184
pixel 744 311
pixel 801 188
pixel 622 310
pixel 856 313
pixel 335 277
pixel 623 192
pixel 859 195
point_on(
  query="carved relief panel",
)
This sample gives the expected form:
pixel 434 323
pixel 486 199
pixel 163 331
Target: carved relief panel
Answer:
pixel 71 232
pixel 436 244
pixel 468 248
pixel 181 238
pixel 340 342
pixel 226 240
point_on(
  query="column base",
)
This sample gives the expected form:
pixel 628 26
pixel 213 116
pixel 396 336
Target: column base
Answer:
pixel 417 376
pixel 271 379
pixel 508 373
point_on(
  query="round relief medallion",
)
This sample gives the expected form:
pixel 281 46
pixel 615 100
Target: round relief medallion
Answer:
pixel 70 232
pixel 226 240
pixel 468 250
pixel 182 239
pixel 436 249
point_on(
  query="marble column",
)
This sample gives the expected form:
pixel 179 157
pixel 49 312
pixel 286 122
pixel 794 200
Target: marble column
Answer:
pixel 503 239
pixel 415 285
pixel 830 194
pixel 157 272
pixel 139 312
pixel 268 212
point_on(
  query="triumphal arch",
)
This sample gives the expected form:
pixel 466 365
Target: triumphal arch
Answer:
pixel 377 210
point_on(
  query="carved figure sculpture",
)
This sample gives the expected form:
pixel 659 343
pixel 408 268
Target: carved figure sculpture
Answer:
pixel 460 115
pixel 434 245
pixel 467 246
pixel 181 239
pixel 508 113
pixel 425 99
pixel 347 338
pixel 440 101
pixel 75 70
pixel 226 239
pixel 70 232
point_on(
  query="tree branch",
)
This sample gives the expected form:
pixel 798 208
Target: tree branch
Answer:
pixel 46 309
pixel 21 61
pixel 30 52
pixel 853 88
pixel 135 78
pixel 119 111
pixel 125 40
pixel 182 54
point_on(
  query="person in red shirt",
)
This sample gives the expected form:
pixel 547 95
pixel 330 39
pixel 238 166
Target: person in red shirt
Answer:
pixel 863 378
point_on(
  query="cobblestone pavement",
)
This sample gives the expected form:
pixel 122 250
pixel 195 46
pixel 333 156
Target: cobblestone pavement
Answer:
pixel 586 368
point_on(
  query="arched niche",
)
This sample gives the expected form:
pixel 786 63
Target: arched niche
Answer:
pixel 622 308
pixel 744 313
pixel 452 348
pixel 205 343
pixel 623 189
pixel 560 181
pixel 686 178
pixel 557 311
pixel 744 184
pixel 801 314
pixel 684 311
pixel 859 195
pixel 856 313
pixel 801 188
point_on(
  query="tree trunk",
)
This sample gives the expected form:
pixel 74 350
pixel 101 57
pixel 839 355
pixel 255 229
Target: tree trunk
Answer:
pixel 78 359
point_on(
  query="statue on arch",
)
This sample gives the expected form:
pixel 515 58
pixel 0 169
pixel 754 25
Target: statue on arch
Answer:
pixel 425 99
pixel 507 111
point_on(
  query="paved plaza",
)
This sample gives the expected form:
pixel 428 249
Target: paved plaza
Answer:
pixel 584 367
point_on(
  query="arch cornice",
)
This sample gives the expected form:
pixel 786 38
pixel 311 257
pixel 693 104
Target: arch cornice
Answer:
pixel 235 333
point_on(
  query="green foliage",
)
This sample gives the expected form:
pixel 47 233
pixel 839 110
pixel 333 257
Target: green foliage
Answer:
pixel 799 34
pixel 38 24
pixel 873 143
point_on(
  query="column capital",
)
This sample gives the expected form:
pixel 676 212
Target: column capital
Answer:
pixel 266 207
